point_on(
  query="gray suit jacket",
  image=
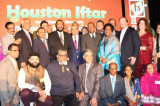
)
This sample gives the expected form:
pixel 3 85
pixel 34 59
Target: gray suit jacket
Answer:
pixel 88 43
pixel 9 90
pixel 94 74
pixel 6 41
pixel 106 93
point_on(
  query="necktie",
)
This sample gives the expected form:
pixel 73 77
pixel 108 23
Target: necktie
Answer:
pixel 45 43
pixel 113 84
pixel 61 37
pixel 28 35
pixel 75 42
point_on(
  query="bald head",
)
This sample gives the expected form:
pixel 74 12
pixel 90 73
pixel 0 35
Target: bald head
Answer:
pixel 26 24
pixel 113 69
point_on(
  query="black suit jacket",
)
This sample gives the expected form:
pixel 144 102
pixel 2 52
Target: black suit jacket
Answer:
pixel 25 46
pixel 39 47
pixel 55 44
pixel 130 46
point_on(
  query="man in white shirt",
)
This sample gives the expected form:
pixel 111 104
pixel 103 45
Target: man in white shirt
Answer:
pixel 31 81
pixel 9 90
pixel 9 37
pixel 90 73
pixel 129 44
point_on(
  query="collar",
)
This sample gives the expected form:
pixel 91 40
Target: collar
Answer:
pixel 26 31
pixel 13 60
pixel 112 76
pixel 65 63
pixel 124 29
pixel 92 34
pixel 10 35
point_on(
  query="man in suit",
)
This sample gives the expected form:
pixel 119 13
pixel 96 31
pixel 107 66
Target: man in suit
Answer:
pixel 9 91
pixel 129 44
pixel 91 40
pixel 90 73
pixel 9 37
pixel 76 56
pixel 112 88
pixel 63 73
pixel 59 40
pixel 40 45
pixel 76 24
pixel 26 44
pixel 113 22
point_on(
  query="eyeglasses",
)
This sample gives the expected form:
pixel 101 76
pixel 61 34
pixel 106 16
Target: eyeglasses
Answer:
pixel 62 55
pixel 15 50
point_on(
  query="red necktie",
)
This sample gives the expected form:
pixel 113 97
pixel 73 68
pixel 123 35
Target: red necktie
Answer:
pixel 75 42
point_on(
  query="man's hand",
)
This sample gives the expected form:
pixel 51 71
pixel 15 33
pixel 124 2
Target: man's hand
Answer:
pixel 143 48
pixel 133 60
pixel 42 98
pixel 93 102
pixel 18 41
pixel 81 96
pixel 77 94
pixel 131 103
pixel 8 104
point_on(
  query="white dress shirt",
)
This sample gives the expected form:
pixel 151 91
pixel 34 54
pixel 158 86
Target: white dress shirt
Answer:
pixel 22 84
pixel 75 37
pixel 87 69
pixel 61 34
pixel 46 35
pixel 122 34
pixel 94 34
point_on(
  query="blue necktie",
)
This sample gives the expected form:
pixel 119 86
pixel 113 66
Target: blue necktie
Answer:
pixel 113 83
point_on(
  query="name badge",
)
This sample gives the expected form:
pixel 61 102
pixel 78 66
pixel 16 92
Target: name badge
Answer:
pixel 157 82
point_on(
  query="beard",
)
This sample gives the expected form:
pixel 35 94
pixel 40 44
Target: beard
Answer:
pixel 33 66
pixel 60 30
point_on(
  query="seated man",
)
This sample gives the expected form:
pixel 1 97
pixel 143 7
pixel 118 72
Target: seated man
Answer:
pixel 32 79
pixel 90 73
pixel 63 73
pixel 112 88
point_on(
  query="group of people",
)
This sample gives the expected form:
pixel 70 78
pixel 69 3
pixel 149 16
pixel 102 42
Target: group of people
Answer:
pixel 97 66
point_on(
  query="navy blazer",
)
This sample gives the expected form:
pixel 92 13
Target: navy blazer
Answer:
pixel 39 47
pixel 76 56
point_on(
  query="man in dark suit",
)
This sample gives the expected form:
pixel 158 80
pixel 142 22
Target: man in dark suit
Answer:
pixel 90 73
pixel 112 88
pixel 25 46
pixel 59 40
pixel 129 43
pixel 76 56
pixel 63 73
pixel 113 22
pixel 91 40
pixel 40 46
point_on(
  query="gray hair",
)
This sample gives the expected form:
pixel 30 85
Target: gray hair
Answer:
pixel 88 50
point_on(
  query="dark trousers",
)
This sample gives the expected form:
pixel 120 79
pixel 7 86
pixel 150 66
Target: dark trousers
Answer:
pixel 28 96
pixel 69 100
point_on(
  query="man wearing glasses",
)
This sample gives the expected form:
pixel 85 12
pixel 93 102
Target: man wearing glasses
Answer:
pixel 63 74
pixel 9 37
pixel 9 91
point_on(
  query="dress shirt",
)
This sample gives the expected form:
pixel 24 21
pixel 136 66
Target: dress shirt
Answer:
pixel 65 63
pixel 122 34
pixel 45 42
pixel 46 35
pixel 113 77
pixel 13 61
pixel 94 34
pixel 27 32
pixel 61 33
pixel 87 69
pixel 22 84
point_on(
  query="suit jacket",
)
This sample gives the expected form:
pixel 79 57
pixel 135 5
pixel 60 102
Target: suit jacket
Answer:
pixel 6 41
pixel 55 44
pixel 76 56
pixel 39 47
pixel 130 46
pixel 88 43
pixel 9 90
pixel 25 47
pixel 106 92
pixel 94 74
